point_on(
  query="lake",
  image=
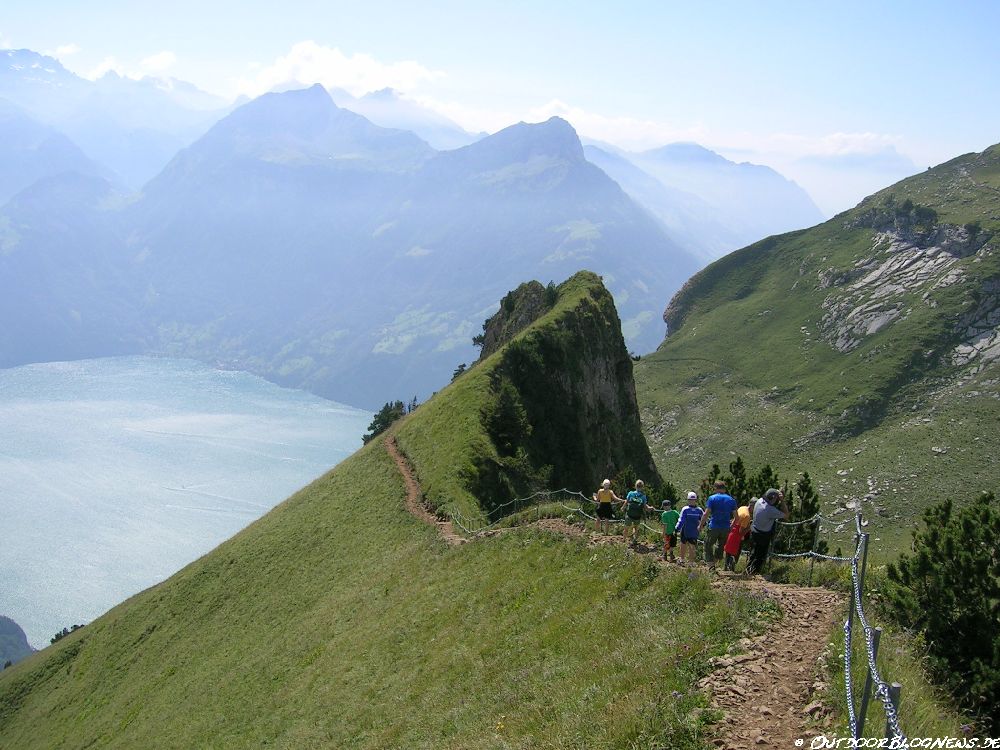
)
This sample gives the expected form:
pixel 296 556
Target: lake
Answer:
pixel 115 473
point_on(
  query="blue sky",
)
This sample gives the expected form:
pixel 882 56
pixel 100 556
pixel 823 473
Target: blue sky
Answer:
pixel 843 97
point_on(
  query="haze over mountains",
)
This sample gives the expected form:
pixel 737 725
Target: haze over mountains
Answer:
pixel 133 127
pixel 301 241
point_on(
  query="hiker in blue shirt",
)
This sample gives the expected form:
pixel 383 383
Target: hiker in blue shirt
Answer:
pixel 689 524
pixel 721 509
pixel 635 505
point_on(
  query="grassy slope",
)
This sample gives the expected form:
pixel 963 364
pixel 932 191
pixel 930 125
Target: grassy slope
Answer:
pixel 338 620
pixel 748 373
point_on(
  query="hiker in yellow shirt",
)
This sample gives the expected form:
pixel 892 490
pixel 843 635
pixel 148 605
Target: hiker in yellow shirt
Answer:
pixel 604 497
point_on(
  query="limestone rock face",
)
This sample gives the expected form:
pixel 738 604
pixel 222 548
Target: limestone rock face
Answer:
pixel 900 271
pixel 980 330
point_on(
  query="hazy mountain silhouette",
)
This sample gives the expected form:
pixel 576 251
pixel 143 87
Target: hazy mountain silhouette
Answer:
pixel 134 127
pixel 694 222
pixel 389 109
pixel 752 201
pixel 30 151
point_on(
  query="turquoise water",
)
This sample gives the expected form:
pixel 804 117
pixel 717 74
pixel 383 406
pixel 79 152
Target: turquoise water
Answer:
pixel 115 473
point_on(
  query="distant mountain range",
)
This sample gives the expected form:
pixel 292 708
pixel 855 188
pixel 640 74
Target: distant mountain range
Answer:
pixel 31 151
pixel 302 241
pixel 710 204
pixel 132 127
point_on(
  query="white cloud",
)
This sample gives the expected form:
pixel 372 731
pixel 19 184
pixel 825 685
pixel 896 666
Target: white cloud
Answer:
pixel 64 50
pixel 830 144
pixel 159 62
pixel 308 63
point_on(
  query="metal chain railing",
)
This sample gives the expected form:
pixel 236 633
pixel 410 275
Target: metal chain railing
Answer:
pixel 875 685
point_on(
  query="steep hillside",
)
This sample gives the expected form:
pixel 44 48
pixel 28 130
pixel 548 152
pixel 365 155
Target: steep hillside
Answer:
pixel 338 620
pixel 553 406
pixel 864 350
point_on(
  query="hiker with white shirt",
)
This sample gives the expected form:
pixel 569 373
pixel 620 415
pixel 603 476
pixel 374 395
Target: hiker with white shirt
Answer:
pixel 766 513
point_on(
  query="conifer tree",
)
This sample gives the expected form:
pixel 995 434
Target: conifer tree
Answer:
pixel 948 588
pixel 505 418
pixel 739 487
pixel 708 483
pixel 762 481
pixel 389 413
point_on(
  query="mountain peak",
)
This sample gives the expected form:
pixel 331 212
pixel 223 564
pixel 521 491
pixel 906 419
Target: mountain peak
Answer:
pixel 293 110
pixel 554 137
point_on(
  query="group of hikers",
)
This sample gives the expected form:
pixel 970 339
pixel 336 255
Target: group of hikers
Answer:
pixel 729 525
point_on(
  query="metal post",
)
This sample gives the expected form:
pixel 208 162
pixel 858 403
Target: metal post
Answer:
pixel 812 557
pixel 866 693
pixel 864 565
pixel 848 641
pixel 894 690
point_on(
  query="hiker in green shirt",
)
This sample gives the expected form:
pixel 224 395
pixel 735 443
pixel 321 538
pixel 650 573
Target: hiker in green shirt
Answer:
pixel 669 518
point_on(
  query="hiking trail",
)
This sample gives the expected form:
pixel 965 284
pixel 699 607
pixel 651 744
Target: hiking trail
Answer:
pixel 415 496
pixel 769 687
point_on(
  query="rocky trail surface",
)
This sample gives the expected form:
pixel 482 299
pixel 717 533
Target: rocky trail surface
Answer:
pixel 769 686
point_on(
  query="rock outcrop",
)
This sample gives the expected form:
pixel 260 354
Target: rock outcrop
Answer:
pixel 563 411
pixel 518 309
pixel 901 270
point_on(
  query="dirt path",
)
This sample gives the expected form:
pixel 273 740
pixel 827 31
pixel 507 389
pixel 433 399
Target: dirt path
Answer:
pixel 415 496
pixel 767 687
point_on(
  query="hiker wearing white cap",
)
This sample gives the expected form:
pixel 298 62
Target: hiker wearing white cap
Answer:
pixel 604 497
pixel 689 525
